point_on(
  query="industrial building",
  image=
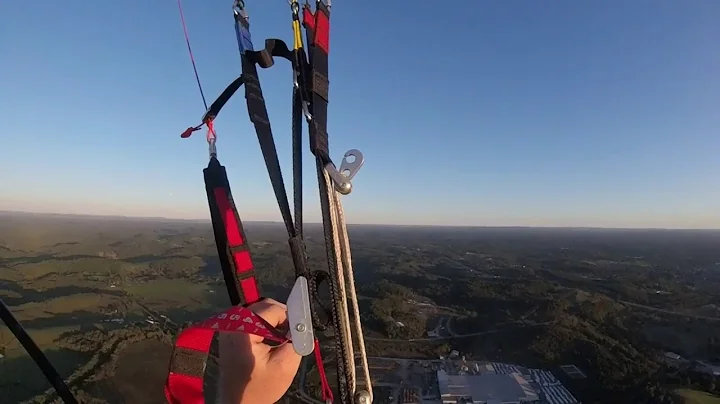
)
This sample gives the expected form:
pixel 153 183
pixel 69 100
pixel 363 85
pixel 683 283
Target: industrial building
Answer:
pixel 485 388
pixel 500 383
pixel 409 396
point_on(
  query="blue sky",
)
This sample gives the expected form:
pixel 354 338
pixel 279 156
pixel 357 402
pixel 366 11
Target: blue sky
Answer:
pixel 495 112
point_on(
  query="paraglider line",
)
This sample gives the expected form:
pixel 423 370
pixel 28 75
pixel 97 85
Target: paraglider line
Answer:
pixel 192 58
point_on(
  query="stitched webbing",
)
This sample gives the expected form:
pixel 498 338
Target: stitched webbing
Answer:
pixel 230 238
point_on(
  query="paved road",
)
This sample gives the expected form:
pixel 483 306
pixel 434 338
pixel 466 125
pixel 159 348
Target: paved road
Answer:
pixel 651 308
pixel 457 336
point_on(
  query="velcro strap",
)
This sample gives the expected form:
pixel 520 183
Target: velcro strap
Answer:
pixel 238 248
pixel 246 275
pixel 190 354
pixel 321 85
pixel 188 362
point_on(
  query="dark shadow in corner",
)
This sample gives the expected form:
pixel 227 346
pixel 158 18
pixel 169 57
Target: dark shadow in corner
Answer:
pixel 21 379
pixel 140 373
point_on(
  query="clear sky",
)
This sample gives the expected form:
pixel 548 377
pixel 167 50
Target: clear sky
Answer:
pixel 517 112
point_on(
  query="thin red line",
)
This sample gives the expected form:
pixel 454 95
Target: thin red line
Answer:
pixel 192 58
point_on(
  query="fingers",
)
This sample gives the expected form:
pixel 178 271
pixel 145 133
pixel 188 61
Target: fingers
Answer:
pixel 270 310
pixel 285 362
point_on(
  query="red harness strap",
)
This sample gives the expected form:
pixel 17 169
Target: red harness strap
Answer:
pixel 184 384
pixel 230 239
pixel 185 378
pixel 319 24
pixel 237 246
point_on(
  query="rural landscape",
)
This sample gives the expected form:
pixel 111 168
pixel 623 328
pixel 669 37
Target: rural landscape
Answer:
pixel 585 315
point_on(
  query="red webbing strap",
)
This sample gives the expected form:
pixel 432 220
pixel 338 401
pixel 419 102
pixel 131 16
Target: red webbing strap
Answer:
pixel 183 388
pixel 319 23
pixel 237 245
pixel 237 267
pixel 327 394
pixel 184 384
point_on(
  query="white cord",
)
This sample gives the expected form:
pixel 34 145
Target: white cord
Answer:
pixel 344 314
pixel 347 256
pixel 346 281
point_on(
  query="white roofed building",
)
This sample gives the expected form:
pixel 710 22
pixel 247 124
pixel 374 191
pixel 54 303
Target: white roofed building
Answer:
pixel 485 388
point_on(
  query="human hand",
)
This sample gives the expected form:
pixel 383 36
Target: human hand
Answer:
pixel 251 371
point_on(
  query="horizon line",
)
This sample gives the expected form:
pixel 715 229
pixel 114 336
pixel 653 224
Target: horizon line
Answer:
pixel 161 218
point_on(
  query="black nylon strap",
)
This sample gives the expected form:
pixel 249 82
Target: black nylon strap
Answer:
pixel 259 117
pixel 297 159
pixel 264 58
pixel 36 354
pixel 224 97
pixel 297 243
pixel 257 111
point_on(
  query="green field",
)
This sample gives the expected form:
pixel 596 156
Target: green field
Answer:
pixel 45 338
pixel 177 292
pixel 697 397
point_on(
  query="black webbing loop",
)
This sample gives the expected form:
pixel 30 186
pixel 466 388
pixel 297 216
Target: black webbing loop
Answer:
pixel 257 111
pixel 273 48
pixel 224 97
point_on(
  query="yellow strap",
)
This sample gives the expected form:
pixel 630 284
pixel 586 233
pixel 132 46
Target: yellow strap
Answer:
pixel 297 33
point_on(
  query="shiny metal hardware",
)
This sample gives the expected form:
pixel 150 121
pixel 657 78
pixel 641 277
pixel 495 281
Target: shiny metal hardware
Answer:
pixel 352 161
pixel 299 318
pixel 238 8
pixel 362 397
pixel 212 149
pixel 351 164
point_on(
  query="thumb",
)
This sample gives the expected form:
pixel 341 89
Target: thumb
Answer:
pixel 285 361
